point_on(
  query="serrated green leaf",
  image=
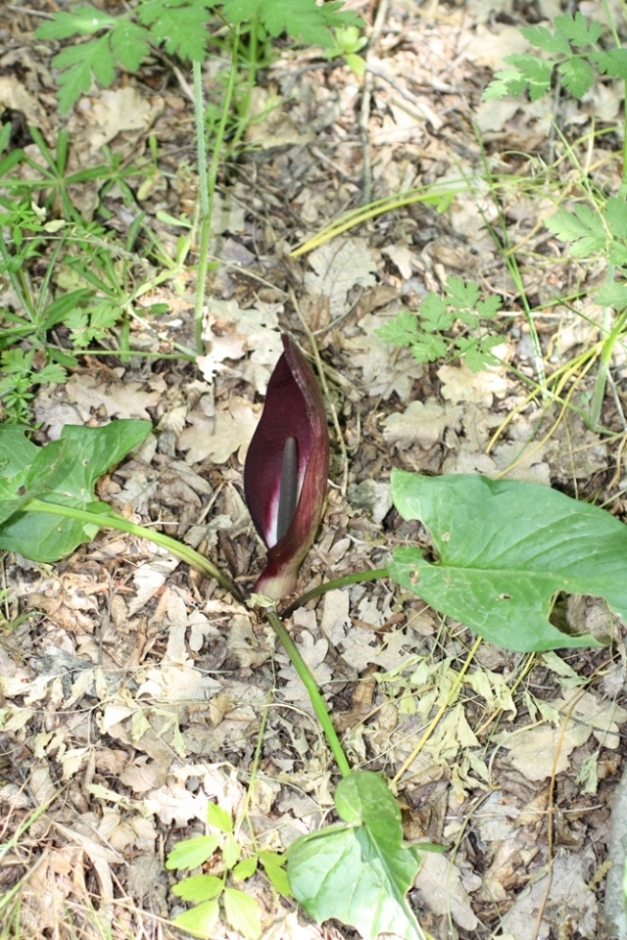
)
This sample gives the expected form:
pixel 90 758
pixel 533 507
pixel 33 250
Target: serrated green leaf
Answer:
pixel 488 308
pixel 129 44
pixel 57 311
pixel 15 361
pixel 461 293
pixel 82 21
pixel 617 254
pixel 179 25
pixel 219 817
pixel 616 216
pixel 246 868
pixel 77 63
pixel 199 921
pixel 274 867
pixel 198 888
pixel 401 331
pixel 476 352
pixel 541 37
pixel 434 314
pixel 577 76
pixel 52 372
pixel 536 72
pixel 612 295
pixel 576 29
pixel 583 226
pixel 612 63
pixel 506 82
pixel 242 913
pixel 303 20
pixel 189 853
pixel 429 348
pixel 504 550
pixel 358 873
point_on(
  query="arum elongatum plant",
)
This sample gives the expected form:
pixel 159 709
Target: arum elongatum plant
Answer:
pixel 285 484
pixel 286 470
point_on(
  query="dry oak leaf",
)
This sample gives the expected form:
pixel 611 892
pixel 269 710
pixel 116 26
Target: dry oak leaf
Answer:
pixel 539 752
pixel 459 383
pixel 217 438
pixel 337 267
pixel 119 399
pixel 421 423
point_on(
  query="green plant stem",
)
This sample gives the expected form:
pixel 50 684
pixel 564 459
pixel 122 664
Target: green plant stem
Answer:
pixel 310 684
pixel 245 101
pixel 203 196
pixel 207 181
pixel 15 280
pixel 604 368
pixel 113 521
pixel 503 243
pixel 355 578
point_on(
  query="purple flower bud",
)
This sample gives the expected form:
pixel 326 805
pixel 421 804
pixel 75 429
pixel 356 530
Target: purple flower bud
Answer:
pixel 286 470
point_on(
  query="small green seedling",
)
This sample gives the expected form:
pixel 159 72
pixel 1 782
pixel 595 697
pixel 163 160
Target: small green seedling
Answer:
pixel 211 892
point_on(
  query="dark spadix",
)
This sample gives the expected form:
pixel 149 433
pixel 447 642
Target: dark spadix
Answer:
pixel 286 470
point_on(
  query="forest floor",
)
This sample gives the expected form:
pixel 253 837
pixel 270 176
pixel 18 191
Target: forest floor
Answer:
pixel 134 692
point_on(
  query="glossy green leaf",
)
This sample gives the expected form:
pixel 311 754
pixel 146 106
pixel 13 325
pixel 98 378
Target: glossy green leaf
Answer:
pixel 358 871
pixel 504 549
pixel 63 472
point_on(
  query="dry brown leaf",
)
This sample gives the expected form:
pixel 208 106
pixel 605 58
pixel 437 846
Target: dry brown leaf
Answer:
pixel 338 266
pixel 421 423
pixel 440 884
pixel 217 438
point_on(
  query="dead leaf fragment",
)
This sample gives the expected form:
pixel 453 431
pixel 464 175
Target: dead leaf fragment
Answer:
pixel 421 423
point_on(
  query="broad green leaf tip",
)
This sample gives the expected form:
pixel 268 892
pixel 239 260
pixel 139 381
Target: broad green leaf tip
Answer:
pixel 63 473
pixel 359 872
pixel 505 550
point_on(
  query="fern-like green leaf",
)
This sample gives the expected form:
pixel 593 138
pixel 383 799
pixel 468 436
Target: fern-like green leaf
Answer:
pixel 302 20
pixel 577 76
pixel 129 44
pixel 576 29
pixel 83 21
pixel 77 64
